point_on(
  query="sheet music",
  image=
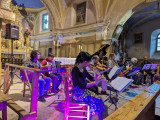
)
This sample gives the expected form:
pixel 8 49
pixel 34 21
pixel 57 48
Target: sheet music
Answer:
pixel 146 66
pixel 112 72
pixel 120 69
pixel 154 66
pixel 121 83
pixel 132 73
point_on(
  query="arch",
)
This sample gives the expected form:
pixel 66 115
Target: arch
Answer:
pixel 121 8
pixel 153 46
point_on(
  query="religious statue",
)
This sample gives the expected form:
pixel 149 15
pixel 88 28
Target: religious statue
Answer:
pixel 105 31
pixel 27 37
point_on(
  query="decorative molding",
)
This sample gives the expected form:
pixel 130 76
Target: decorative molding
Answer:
pixel 35 9
pixel 7 15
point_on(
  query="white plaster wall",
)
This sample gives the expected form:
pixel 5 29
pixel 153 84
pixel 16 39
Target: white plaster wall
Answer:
pixel 38 39
pixel 141 49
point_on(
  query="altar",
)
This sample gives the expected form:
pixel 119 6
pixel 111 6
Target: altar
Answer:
pixel 21 52
pixel 10 14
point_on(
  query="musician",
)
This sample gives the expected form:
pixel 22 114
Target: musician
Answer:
pixel 145 61
pixel 122 62
pixel 146 72
pixel 138 77
pixel 44 82
pixel 94 69
pixel 102 53
pixel 56 79
pixel 104 61
pixel 112 60
pixel 80 92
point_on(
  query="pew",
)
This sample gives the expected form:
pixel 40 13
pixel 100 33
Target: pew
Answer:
pixel 141 107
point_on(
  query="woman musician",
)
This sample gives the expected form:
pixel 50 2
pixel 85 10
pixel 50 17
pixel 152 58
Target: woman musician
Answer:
pixel 80 92
pixel 112 60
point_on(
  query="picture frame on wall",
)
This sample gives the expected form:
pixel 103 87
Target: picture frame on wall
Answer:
pixel 138 38
pixel 117 32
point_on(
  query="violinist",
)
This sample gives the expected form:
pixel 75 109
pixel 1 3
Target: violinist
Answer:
pixel 146 72
pixel 102 53
pixel 94 70
pixel 138 77
pixel 122 62
pixel 112 60
pixel 104 61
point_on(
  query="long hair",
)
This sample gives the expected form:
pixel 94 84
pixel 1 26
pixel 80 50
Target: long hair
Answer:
pixel 83 56
pixel 122 58
pixel 33 54
pixel 111 56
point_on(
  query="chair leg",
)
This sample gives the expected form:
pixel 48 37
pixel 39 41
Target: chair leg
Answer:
pixel 24 89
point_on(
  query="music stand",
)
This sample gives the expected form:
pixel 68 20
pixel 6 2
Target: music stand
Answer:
pixel 119 84
pixel 114 72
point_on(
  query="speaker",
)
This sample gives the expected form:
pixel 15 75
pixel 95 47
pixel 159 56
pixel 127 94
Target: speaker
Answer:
pixel 12 31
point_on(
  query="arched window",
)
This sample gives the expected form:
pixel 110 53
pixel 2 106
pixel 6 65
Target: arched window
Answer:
pixel 45 20
pixel 158 42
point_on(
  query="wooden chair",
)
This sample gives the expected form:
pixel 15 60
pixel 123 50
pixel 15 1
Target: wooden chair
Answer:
pixel 79 111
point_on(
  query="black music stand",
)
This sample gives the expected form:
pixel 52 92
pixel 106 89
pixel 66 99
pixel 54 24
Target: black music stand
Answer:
pixel 113 100
pixel 119 84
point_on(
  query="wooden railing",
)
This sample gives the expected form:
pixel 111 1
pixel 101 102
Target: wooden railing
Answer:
pixel 34 96
pixel 141 107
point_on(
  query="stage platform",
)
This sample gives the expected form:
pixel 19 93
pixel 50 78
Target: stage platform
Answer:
pixel 53 108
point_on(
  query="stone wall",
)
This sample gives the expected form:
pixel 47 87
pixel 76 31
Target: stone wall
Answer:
pixel 148 45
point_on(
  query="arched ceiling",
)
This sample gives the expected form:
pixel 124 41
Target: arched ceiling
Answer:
pixel 35 4
pixel 108 10
pixel 144 14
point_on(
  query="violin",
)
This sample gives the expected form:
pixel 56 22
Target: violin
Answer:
pixel 128 69
pixel 101 66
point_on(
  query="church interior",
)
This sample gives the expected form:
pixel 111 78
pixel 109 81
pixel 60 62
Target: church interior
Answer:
pixel 79 59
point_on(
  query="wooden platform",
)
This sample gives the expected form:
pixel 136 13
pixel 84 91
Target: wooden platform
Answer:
pixel 141 107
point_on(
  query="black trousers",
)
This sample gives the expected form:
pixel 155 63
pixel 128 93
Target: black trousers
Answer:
pixel 94 89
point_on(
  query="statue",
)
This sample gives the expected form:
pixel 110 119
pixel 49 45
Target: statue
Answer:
pixel 105 31
pixel 27 37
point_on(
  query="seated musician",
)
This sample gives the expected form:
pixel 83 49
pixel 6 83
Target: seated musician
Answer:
pixel 102 53
pixel 104 61
pixel 122 62
pixel 146 73
pixel 138 77
pixel 56 79
pixel 112 60
pixel 94 69
pixel 80 92
pixel 44 82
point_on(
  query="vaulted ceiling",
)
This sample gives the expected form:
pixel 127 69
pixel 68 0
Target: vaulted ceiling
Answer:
pixel 113 11
pixel 35 4
pixel 144 13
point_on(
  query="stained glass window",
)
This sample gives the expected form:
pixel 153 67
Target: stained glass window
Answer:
pixel 45 21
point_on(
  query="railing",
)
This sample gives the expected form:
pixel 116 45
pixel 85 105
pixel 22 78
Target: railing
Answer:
pixel 141 107
pixel 34 92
